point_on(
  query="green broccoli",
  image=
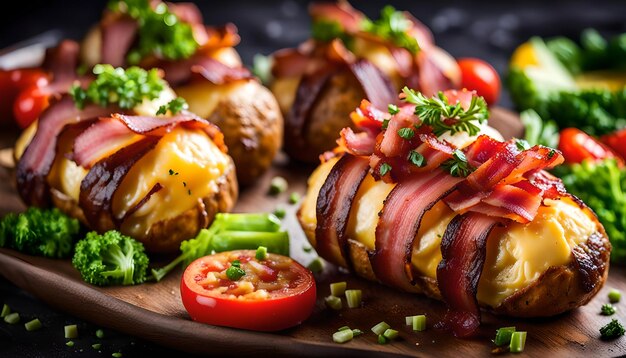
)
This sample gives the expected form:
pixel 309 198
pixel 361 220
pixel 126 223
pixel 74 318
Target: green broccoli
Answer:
pixel 39 232
pixel 110 259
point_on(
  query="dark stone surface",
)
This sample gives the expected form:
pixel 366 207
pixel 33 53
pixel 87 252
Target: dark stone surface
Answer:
pixel 465 29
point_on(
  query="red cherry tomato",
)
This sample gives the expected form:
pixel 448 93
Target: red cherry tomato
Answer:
pixel 28 105
pixel 273 294
pixel 577 146
pixel 480 76
pixel 616 141
pixel 12 82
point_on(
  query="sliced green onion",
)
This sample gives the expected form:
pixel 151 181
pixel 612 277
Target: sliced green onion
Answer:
pixel 343 336
pixel 357 332
pixel 333 302
pixel 12 318
pixel 71 331
pixel 307 248
pixel 391 334
pixel 294 198
pixel 69 343
pixel 607 309
pixel 96 346
pixel 380 328
pixel 419 322
pixel 100 333
pixel 337 289
pixel 5 310
pixel 117 355
pixel 614 295
pixel 353 297
pixel 261 253
pixel 316 266
pixel 276 242
pixel 409 320
pixel 343 328
pixel 382 339
pixel 503 336
pixel 33 325
pixel 234 273
pixel 280 212
pixel 263 222
pixel 518 341
pixel 278 185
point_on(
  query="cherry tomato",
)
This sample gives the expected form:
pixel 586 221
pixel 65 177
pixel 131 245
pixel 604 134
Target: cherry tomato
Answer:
pixel 616 141
pixel 12 82
pixel 480 76
pixel 577 146
pixel 28 105
pixel 272 294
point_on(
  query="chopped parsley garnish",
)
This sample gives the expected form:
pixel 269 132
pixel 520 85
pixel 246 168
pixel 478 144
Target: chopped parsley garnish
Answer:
pixel 385 123
pixel 416 158
pixel 234 273
pixel 613 329
pixel 406 133
pixel 551 153
pixel 393 109
pixel 392 26
pixel 327 30
pixel 458 166
pixel 161 33
pixel 522 144
pixel 607 309
pixel 126 88
pixel 384 169
pixel 174 106
pixel 442 116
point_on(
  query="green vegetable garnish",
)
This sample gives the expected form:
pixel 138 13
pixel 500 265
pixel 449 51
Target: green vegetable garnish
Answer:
pixel 393 109
pixel 278 185
pixel 116 355
pixel 39 232
pixel 382 339
pixel 125 88
pixel 442 116
pixel 231 232
pixel 337 289
pixel 342 328
pixel 522 144
pixel 614 295
pixel 393 26
pixel 96 346
pixel 280 212
pixel 418 322
pixel 333 302
pixel 261 253
pixel 235 272
pixel 458 166
pixel 503 336
pixel 607 309
pixel 538 131
pixel 357 332
pixel 343 336
pixel 316 266
pixel 613 329
pixel 328 30
pixel 12 318
pixel 262 68
pixel 71 331
pixel 294 198
pixel 416 158
pixel 518 341
pixel 406 133
pixel 69 343
pixel 384 169
pixel 174 106
pixel 5 310
pixel 354 298
pixel 160 33
pixel 110 259
pixel 100 333
pixel 33 325
pixel 380 328
pixel 390 334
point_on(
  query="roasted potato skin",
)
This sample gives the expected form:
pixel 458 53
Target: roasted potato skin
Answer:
pixel 253 129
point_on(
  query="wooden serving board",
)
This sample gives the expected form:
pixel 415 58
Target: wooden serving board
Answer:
pixel 154 311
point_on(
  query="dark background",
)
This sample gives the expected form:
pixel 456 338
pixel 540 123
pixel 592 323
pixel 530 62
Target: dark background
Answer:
pixel 483 29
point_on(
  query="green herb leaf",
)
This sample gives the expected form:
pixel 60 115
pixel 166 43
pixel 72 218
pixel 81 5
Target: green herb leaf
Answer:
pixel 406 133
pixel 384 169
pixel 417 158
pixel 327 30
pixel 458 166
pixel 613 329
pixel 522 144
pixel 607 309
pixel 234 273
pixel 392 26
pixel 174 106
pixel 393 109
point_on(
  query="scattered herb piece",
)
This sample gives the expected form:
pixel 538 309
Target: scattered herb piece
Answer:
pixel 384 169
pixel 338 289
pixel 175 106
pixel 307 248
pixel 33 325
pixel 380 328
pixel 235 272
pixel 612 330
pixel 5 310
pixel 333 302
pixel 406 133
pixel 354 298
pixel 343 336
pixel 393 26
pixel 71 331
pixel 12 318
pixel 261 253
pixel 458 166
pixel 385 123
pixel 614 295
pixel 328 30
pixel 316 266
pixel 607 309
pixel 416 158
pixel 393 109
pixel 522 144
pixel 382 339
pixel 518 341
pixel 96 346
pixel 69 343
pixel 278 185
pixel 503 336
pixel 357 332
pixel 390 334
pixel 418 323
pixel 117 355
pixel 294 198
pixel 280 212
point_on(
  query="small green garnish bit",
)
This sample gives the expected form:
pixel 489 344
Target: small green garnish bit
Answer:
pixel 5 310
pixel 614 295
pixel 612 330
pixel 393 109
pixel 385 123
pixel 71 331
pixel 551 153
pixel 357 332
pixel 117 355
pixel 416 158
pixel 328 30
pixel 278 185
pixel 12 318
pixel 522 144
pixel 382 339
pixel 392 26
pixel 262 68
pixel 354 298
pixel 69 343
pixel 518 341
pixel 307 249
pixel 261 253
pixel 174 106
pixel 280 212
pixel 503 336
pixel 418 323
pixel 406 133
pixel 100 333
pixel 390 334
pixel 343 328
pixel 33 325
pixel 294 198
pixel 384 169
pixel 607 309
pixel 337 289
pixel 316 266
pixel 96 346
pixel 123 87
pixel 442 116
pixel 380 328
pixel 236 263
pixel 343 336
pixel 458 166
pixel 234 273
pixel 333 302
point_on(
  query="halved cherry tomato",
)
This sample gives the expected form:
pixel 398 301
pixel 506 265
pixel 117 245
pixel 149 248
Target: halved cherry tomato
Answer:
pixel 12 82
pixel 480 76
pixel 577 146
pixel 28 105
pixel 616 141
pixel 273 294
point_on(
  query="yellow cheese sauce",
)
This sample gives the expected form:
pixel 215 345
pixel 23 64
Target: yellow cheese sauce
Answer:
pixel 204 97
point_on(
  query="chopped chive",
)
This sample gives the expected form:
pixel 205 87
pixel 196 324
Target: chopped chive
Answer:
pixel 503 336
pixel 33 325
pixel 409 320
pixel 96 346
pixel 393 109
pixel 333 302
pixel 307 248
pixel 419 323
pixel 607 309
pixel 316 266
pixel 380 328
pixel 391 334
pixel 343 328
pixel 518 341
pixel 261 253
pixel 384 169
pixel 71 331
pixel 117 355
pixel 406 133
pixel 337 289
pixel 356 332
pixel 100 333
pixel 280 212
pixel 12 318
pixel 614 295
pixel 382 339
pixel 385 123
pixel 5 310
pixel 278 185
pixel 69 343
pixel 353 297
pixel 294 198
pixel 343 336
pixel 171 172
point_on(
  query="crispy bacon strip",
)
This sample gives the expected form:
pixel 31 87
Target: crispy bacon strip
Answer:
pixel 399 223
pixel 118 33
pixel 376 85
pixel 99 186
pixel 356 143
pixel 98 139
pixel 348 17
pixel 289 62
pixel 463 249
pixel 38 157
pixel 62 61
pixel 203 66
pixel 334 202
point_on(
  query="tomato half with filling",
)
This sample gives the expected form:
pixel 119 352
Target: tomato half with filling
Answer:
pixel 270 295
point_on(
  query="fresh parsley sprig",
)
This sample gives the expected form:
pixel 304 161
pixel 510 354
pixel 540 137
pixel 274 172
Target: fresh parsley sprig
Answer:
pixel 174 106
pixel 458 166
pixel 392 26
pixel 442 116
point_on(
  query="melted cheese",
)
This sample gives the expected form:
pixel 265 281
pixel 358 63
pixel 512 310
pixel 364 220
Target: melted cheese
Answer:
pixel 203 97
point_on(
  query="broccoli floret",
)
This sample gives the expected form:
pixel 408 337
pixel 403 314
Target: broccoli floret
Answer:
pixel 613 329
pixel 39 232
pixel 110 259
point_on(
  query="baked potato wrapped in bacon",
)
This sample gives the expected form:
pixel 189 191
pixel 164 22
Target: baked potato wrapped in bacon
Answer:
pixel 202 66
pixel 425 201
pixel 114 164
pixel 351 57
